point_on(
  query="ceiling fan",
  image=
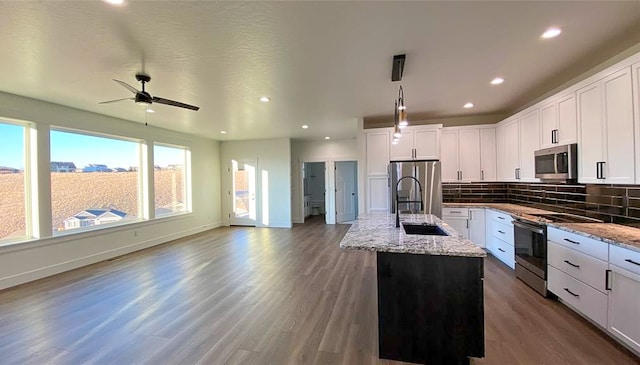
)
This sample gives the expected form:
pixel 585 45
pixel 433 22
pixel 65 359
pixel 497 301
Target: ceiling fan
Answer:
pixel 144 98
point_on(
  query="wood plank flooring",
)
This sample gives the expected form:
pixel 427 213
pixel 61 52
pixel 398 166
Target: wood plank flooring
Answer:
pixel 260 296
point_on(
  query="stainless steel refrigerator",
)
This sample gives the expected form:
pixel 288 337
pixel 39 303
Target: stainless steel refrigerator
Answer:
pixel 414 176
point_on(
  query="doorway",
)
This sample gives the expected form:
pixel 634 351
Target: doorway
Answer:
pixel 346 191
pixel 243 192
pixel 314 189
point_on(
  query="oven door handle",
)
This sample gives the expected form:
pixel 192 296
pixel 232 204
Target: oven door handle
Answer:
pixel 529 227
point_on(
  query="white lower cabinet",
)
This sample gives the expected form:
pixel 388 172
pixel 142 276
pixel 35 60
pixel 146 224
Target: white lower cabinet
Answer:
pixel 583 298
pixel 477 225
pixel 624 296
pixel 469 222
pixel 457 218
pixel 499 237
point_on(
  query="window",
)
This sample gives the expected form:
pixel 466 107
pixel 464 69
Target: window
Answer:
pixel 13 211
pixel 94 180
pixel 171 169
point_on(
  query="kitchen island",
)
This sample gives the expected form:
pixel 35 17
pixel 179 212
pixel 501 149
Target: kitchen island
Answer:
pixel 430 289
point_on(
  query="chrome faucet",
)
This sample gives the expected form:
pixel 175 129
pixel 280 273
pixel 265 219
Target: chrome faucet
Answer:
pixel 407 201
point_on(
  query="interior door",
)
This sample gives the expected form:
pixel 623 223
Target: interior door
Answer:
pixel 243 192
pixel 345 191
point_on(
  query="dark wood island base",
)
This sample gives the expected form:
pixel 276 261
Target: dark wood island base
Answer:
pixel 430 308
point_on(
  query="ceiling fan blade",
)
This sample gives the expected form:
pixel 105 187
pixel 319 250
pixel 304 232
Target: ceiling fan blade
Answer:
pixel 127 86
pixel 174 103
pixel 113 101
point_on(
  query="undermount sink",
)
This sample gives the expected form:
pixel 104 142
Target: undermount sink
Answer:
pixel 424 229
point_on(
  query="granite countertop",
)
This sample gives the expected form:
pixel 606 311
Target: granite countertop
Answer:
pixel 615 234
pixel 378 232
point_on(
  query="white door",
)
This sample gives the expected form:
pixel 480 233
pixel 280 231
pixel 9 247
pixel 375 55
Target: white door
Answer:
pixel 567 120
pixel 488 169
pixel 460 225
pixel 346 172
pixel 243 192
pixel 477 225
pixel 548 124
pixel 427 144
pixel 624 299
pixel 403 150
pixel 511 152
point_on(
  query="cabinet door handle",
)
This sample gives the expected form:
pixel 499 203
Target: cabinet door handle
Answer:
pixel 632 262
pixel 481 174
pixel 460 174
pixel 572 241
pixel 501 232
pixel 572 293
pixel 515 172
pixel 554 136
pixel 572 264
pixel 467 223
pixel 606 279
pixel 499 249
pixel 602 170
pixel 598 170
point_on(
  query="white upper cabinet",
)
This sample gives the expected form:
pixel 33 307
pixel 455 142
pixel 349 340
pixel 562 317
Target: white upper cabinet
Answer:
pixel 606 130
pixel 558 121
pixel 467 152
pixel 636 107
pixel 417 143
pixel 529 143
pixel 488 163
pixel 449 160
pixel 508 147
pixel 377 151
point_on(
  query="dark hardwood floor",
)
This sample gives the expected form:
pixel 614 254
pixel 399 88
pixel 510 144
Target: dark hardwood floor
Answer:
pixel 260 296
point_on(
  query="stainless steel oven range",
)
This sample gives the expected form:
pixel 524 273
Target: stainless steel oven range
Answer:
pixel 530 241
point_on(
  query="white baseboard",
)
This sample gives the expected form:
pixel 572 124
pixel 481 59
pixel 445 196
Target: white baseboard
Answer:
pixel 61 267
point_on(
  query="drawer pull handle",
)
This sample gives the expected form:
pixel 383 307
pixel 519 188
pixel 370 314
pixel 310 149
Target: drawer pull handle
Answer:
pixel 572 264
pixel 455 211
pixel 501 232
pixel 572 293
pixel 633 262
pixel 499 249
pixel 572 241
pixel 500 217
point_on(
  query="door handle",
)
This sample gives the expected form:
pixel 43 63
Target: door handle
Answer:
pixel 606 279
pixel 481 174
pixel 460 174
pixel 572 264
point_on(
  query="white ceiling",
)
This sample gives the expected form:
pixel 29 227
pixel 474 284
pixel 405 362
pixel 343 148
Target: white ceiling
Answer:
pixel 324 64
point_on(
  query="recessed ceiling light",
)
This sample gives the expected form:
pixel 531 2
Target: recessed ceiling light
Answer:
pixel 497 81
pixel 305 126
pixel 468 105
pixel 327 137
pixel 149 110
pixel 265 99
pixel 551 32
pixel 114 2
pixel 223 132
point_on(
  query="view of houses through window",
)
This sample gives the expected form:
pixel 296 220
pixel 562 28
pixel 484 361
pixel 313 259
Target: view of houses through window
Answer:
pixel 94 180
pixel 12 181
pixel 170 163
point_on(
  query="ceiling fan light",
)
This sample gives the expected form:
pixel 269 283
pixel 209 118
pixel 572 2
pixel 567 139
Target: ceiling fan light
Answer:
pixel 403 124
pixel 143 103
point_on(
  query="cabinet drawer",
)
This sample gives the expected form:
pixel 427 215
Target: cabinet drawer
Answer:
pixel 499 216
pixel 583 267
pixel 455 212
pixel 503 252
pixel 502 231
pixel 589 246
pixel 580 296
pixel 624 258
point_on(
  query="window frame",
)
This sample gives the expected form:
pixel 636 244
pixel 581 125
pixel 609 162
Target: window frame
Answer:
pixel 140 199
pixel 186 175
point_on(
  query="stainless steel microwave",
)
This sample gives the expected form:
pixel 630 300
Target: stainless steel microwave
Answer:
pixel 557 163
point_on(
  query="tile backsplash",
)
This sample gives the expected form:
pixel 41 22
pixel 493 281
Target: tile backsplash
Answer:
pixel 610 203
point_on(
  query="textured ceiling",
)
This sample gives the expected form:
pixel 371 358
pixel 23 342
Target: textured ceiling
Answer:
pixel 324 64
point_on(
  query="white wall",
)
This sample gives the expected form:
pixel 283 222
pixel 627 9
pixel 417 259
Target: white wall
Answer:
pixel 273 178
pixel 319 151
pixel 23 262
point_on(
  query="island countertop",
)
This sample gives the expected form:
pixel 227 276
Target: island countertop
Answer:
pixel 378 232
